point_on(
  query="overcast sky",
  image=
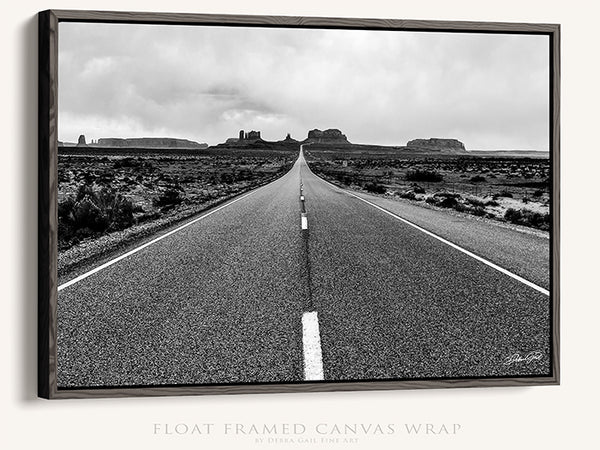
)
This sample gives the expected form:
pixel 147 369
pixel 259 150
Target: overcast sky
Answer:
pixel 207 83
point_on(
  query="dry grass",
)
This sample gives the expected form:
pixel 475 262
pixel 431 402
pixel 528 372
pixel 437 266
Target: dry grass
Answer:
pixel 146 189
pixel 485 187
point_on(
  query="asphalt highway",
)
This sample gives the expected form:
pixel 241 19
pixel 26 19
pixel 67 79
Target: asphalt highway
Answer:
pixel 300 280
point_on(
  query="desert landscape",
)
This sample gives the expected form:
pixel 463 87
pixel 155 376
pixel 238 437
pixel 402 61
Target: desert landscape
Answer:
pixel 509 189
pixel 109 196
pixel 266 205
pixel 107 199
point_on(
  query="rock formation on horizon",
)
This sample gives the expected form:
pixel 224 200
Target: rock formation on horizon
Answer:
pixel 150 143
pixel 81 141
pixel 289 139
pixel 244 138
pixel 452 146
pixel 329 136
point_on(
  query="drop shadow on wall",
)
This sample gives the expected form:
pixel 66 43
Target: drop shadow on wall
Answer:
pixel 27 212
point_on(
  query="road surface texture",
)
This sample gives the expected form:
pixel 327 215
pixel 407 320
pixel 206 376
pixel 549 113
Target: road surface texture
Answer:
pixel 300 280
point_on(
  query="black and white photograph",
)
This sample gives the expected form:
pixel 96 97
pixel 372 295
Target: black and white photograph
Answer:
pixel 264 205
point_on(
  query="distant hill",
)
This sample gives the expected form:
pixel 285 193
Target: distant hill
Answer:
pixel 330 136
pixel 149 143
pixel 510 153
pixel 251 141
pixel 288 140
pixel 435 145
pixel 137 143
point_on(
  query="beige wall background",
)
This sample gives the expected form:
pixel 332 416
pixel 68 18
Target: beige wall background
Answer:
pixel 544 417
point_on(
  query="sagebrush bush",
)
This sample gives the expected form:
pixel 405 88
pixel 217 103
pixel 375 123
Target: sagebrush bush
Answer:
pixel 444 194
pixel 478 211
pixel 505 194
pixel 344 179
pixel 125 162
pixel 513 215
pixel 92 211
pixel 458 206
pixel 475 202
pixel 423 175
pixel 449 202
pixel 172 196
pixel 375 188
pixel 528 218
pixel 477 179
pixel 227 178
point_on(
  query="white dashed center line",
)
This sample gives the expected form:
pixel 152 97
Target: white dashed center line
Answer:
pixel 304 221
pixel 311 343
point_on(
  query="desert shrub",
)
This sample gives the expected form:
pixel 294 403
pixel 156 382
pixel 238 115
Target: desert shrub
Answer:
pixel 344 179
pixel 431 200
pixel 525 200
pixel 528 218
pixel 513 215
pixel 93 211
pixel 170 197
pixel 423 175
pixel 245 174
pixel 85 190
pixel 63 176
pixel 478 211
pixel 226 178
pixel 475 202
pixel 538 193
pixel 65 208
pixel 87 215
pixel 126 162
pixel 375 188
pixel 506 194
pixel 492 203
pixel 444 194
pixel 418 189
pixel 449 202
pixel 458 206
pixel 106 177
pixel 89 177
pixel 535 219
pixel 410 195
pixel 477 179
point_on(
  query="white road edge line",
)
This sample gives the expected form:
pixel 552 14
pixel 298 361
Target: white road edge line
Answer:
pixel 451 244
pixel 147 244
pixel 311 343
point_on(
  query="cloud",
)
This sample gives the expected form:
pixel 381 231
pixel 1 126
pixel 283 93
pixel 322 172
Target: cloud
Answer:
pixel 206 83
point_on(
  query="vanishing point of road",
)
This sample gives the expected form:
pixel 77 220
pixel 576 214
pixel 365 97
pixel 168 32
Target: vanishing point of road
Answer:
pixel 301 280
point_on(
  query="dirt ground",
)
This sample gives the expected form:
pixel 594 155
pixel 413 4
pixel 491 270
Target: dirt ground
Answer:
pixel 515 190
pixel 100 194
